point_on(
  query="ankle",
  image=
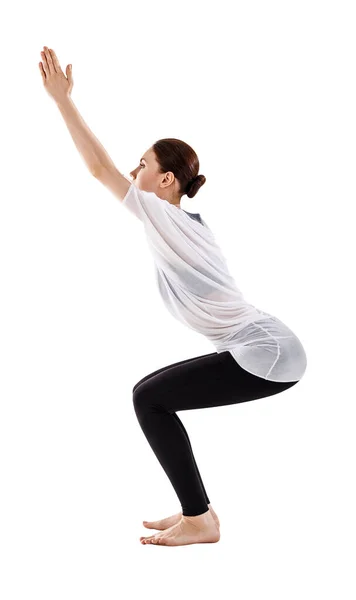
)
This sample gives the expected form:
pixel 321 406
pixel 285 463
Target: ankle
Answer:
pixel 202 518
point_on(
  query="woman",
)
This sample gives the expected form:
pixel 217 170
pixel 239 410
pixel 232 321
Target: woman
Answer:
pixel 256 354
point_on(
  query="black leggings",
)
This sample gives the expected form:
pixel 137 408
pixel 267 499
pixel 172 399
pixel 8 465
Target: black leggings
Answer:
pixel 210 380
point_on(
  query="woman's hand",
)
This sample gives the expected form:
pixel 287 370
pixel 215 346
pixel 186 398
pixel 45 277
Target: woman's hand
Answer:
pixel 55 82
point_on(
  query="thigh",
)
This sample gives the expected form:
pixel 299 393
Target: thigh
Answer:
pixel 214 379
pixel 181 362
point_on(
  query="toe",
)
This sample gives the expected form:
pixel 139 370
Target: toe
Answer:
pixel 147 540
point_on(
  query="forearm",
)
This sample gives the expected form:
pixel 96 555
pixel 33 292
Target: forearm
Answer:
pixel 93 153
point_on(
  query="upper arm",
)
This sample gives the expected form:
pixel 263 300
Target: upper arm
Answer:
pixel 113 180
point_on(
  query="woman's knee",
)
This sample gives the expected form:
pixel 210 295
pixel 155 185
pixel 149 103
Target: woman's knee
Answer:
pixel 139 383
pixel 135 386
pixel 141 399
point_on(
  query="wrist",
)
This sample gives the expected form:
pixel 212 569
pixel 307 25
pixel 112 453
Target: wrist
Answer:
pixel 63 101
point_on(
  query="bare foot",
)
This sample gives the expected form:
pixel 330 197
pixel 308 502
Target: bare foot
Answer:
pixel 173 520
pixel 190 530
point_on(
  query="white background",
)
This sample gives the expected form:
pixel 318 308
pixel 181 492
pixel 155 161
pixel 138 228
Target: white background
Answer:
pixel 265 94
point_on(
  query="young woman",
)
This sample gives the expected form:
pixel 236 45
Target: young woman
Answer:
pixel 256 354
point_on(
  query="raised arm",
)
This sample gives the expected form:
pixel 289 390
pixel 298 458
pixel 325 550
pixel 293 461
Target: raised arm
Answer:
pixel 97 159
pixel 88 145
pixel 94 154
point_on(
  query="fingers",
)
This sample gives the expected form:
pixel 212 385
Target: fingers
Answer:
pixel 48 64
pixel 49 59
pixel 55 62
pixel 45 64
pixel 42 71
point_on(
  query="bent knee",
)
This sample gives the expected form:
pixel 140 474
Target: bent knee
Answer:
pixel 140 397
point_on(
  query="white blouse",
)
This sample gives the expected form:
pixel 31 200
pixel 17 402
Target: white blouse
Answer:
pixel 197 289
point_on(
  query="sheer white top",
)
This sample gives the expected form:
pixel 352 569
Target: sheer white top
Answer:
pixel 197 289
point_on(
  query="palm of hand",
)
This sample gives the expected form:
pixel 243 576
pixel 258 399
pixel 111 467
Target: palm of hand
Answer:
pixel 56 84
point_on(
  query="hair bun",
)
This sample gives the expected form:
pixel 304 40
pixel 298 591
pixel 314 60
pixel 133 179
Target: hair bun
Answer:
pixel 199 178
pixel 196 182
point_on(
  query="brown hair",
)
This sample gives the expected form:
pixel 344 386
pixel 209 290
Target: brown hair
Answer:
pixel 179 158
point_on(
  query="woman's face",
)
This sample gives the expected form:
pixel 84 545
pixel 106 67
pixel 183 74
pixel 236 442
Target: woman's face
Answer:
pixel 146 177
pixel 146 174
